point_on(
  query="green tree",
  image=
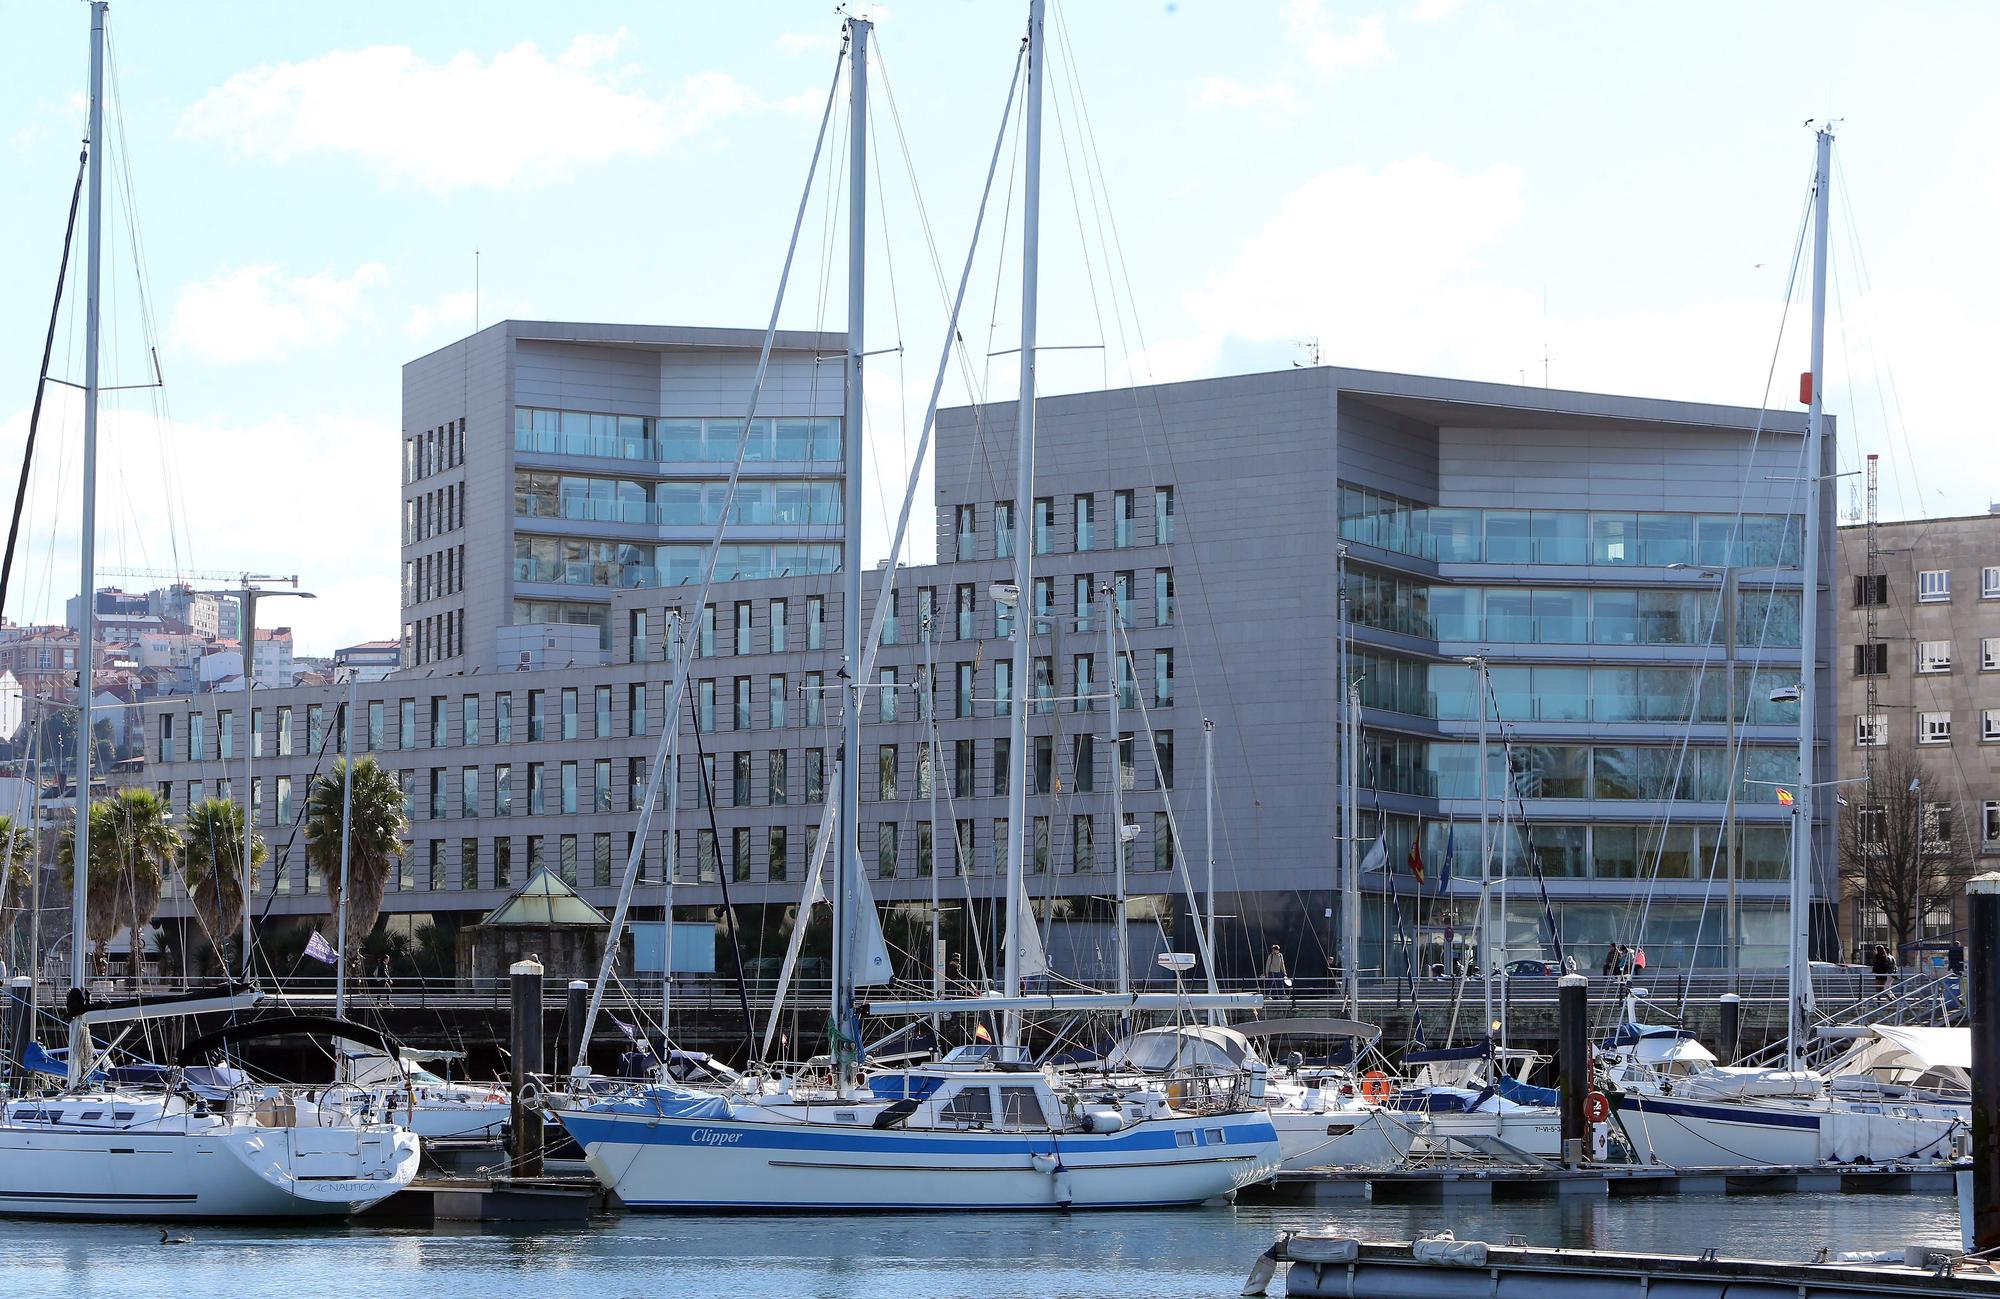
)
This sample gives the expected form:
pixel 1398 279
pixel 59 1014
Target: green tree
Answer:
pixel 376 843
pixel 212 865
pixel 17 873
pixel 132 847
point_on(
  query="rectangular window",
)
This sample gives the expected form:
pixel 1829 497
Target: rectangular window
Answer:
pixel 923 850
pixel 1044 762
pixel 1934 586
pixel 967 533
pixel 570 726
pixel 537 853
pixel 705 864
pixel 1163 754
pixel 566 858
pixel 569 787
pixel 739 779
pixel 600 788
pixel 406 725
pixel 1871 659
pixel 1045 524
pixel 1003 688
pixel 1003 529
pixel 537 718
pixel 1163 842
pixel 999 845
pixel 257 734
pixel 963 860
pixel 602 698
pixel 503 718
pixel 813 692
pixel 775 848
pixel 778 629
pixel 1045 605
pixel 1086 523
pixel 437 793
pixel 815 776
pixel 1163 597
pixel 1121 519
pixel 815 621
pixel 635 782
pixel 1038 862
pixel 165 753
pixel 638 647
pixel 707 631
pixel 284 804
pixel 778 698
pixel 1871 730
pixel 1989 725
pixel 705 706
pixel 1080 684
pixel 1163 515
pixel 437 721
pixel 468 791
pixel 468 720
pixel 1003 619
pixel 197 741
pixel 968 608
pixel 537 793
pixel 433 866
pixel 892 622
pixel 1933 656
pixel 885 772
pixel 1127 762
pixel 600 859
pixel 924 771
pixel 777 785
pixel 741 711
pixel 1989 823
pixel 1933 728
pixel 885 695
pixel 885 850
pixel 1045 683
pixel 1121 597
pixel 503 789
pixel 1989 654
pixel 964 761
pixel 635 709
pixel 1002 766
pixel 1163 677
pixel 1871 589
pixel 468 864
pixel 705 796
pixel 1081 601
pixel 745 628
pixel 1989 582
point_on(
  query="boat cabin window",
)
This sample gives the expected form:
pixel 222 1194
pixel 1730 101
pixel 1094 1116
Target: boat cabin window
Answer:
pixel 968 1105
pixel 1021 1107
pixel 90 1114
pixel 123 1115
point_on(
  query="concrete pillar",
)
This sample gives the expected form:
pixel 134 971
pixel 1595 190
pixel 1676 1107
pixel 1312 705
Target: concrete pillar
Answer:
pixel 1573 1062
pixel 525 1042
pixel 20 1025
pixel 1730 1043
pixel 574 1013
pixel 1982 966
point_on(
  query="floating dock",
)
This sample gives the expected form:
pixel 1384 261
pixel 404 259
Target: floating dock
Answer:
pixel 1443 1268
pixel 1443 1181
pixel 496 1199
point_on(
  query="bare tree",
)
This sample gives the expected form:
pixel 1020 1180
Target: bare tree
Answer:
pixel 1904 843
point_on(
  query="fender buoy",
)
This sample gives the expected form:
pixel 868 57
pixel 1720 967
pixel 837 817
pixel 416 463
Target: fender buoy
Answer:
pixel 1375 1085
pixel 1596 1107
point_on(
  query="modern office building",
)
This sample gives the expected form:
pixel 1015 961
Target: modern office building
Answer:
pixel 1576 542
pixel 595 457
pixel 1919 604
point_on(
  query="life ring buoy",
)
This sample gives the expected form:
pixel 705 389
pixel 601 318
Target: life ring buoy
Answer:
pixel 1375 1085
pixel 1596 1107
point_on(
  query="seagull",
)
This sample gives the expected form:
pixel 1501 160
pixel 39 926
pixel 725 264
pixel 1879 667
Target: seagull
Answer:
pixel 166 1239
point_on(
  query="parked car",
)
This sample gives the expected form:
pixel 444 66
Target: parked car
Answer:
pixel 1533 969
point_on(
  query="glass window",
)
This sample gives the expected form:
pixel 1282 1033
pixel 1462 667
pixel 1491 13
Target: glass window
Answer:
pixel 705 705
pixel 569 787
pixel 601 697
pixel 601 786
pixel 1003 688
pixel 885 850
pixel 739 780
pixel 1163 597
pixel 1086 524
pixel 1045 524
pixel 815 621
pixel 1560 536
pixel 1003 529
pixel 967 533
pixel 1163 677
pixel 963 763
pixel 1002 766
pixel 569 713
pixel 1933 656
pixel 777 785
pixel 1509 537
pixel 778 697
pixel 503 718
pixel 503 789
pixel 635 709
pixel 778 628
pixel 1121 518
pixel 1163 515
pixel 813 692
pixel 775 849
pixel 1933 586
pixel 968 604
pixel 815 776
pixel 1163 842
pixel 885 772
pixel 1614 539
pixel 1163 758
pixel 885 695
pixel 537 721
pixel 468 792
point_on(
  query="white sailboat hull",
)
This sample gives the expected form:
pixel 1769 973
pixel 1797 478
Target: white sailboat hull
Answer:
pixel 1532 1131
pixel 1341 1138
pixel 669 1163
pixel 1690 1133
pixel 234 1172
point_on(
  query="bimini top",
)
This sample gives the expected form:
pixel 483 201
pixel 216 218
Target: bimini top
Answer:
pixel 1205 1046
pixel 545 900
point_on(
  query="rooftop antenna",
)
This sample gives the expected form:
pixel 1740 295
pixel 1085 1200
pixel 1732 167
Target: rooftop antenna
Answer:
pixel 475 290
pixel 1312 352
pixel 1545 336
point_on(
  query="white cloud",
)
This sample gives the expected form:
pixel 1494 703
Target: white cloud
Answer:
pixel 1434 11
pixel 250 313
pixel 518 119
pixel 808 42
pixel 1329 51
pixel 1225 92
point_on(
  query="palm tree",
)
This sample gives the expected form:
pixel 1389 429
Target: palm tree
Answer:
pixel 132 846
pixel 17 872
pixel 212 865
pixel 376 842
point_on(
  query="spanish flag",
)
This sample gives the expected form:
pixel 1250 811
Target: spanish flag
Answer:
pixel 1417 857
pixel 979 1034
pixel 1784 796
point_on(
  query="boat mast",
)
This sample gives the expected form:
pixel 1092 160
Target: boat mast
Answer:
pixel 1124 984
pixel 1350 745
pixel 346 849
pixel 927 714
pixel 1799 972
pixel 1024 502
pixel 1479 948
pixel 79 903
pixel 844 1042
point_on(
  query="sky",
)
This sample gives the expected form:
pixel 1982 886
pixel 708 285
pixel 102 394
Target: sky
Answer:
pixel 1597 197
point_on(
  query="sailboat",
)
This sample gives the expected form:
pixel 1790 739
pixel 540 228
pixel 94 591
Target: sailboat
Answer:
pixel 1712 1117
pixel 983 1127
pixel 186 1141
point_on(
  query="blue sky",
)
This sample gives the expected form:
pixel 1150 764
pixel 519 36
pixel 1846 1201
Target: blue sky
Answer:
pixel 1456 188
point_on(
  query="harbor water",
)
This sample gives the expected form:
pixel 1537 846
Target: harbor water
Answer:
pixel 1151 1255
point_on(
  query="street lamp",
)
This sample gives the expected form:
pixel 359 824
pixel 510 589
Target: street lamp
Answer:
pixel 1728 575
pixel 246 597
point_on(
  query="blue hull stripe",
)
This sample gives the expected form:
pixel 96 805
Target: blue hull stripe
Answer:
pixel 923 1206
pixel 590 1131
pixel 1753 1118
